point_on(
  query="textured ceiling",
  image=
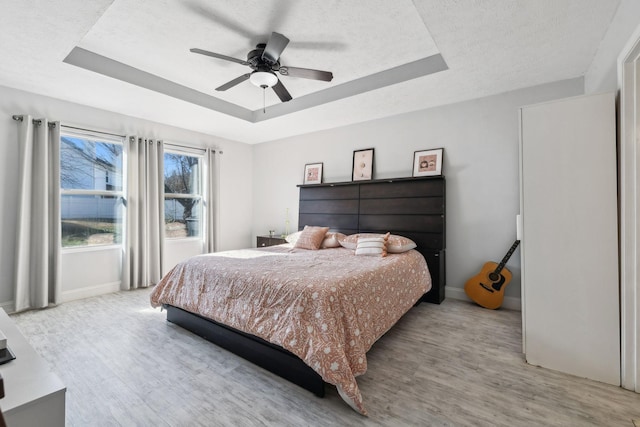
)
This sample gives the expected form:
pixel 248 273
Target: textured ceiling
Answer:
pixel 327 35
pixel 376 50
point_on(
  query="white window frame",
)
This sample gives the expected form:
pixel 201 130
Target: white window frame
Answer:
pixel 102 137
pixel 201 155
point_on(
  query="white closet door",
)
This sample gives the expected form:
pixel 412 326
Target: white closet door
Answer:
pixel 570 286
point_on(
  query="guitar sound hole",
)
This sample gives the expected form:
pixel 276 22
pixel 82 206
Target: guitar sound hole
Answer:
pixel 494 277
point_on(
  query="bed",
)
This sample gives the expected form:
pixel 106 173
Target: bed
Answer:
pixel 315 314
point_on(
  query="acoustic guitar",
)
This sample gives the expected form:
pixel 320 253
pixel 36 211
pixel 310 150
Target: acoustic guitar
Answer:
pixel 487 287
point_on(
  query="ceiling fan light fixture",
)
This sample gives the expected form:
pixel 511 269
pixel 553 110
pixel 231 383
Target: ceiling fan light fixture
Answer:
pixel 264 60
pixel 263 79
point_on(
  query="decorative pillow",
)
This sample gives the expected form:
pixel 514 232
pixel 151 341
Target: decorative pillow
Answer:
pixel 293 237
pixel 349 242
pixel 398 244
pixel 311 237
pixel 331 240
pixel 371 246
pixel 395 244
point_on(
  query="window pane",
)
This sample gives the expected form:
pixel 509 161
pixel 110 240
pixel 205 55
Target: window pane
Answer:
pixel 91 220
pixel 90 165
pixel 182 217
pixel 181 174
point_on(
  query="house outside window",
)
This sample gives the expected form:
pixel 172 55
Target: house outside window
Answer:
pixel 183 199
pixel 91 189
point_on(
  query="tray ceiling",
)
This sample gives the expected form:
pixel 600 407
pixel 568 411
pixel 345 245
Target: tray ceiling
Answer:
pixel 387 58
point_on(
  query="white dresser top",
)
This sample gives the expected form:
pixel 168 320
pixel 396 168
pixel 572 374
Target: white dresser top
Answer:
pixel 27 378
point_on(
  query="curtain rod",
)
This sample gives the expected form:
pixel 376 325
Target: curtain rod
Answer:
pixel 92 131
pixel 188 148
pixel 21 118
pixel 36 122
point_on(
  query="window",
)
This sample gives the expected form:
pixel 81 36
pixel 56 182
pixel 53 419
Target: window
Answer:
pixel 183 194
pixel 91 189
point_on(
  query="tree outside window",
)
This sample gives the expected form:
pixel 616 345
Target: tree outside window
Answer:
pixel 183 195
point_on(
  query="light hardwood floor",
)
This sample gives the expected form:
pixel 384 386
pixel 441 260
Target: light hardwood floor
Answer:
pixel 453 364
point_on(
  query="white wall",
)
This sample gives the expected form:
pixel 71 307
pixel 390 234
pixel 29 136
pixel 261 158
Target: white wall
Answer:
pixel 177 250
pixel 480 140
pixel 89 272
pixel 86 272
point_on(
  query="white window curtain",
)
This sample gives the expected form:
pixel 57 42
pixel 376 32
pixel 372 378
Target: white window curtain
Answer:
pixel 213 162
pixel 37 268
pixel 142 261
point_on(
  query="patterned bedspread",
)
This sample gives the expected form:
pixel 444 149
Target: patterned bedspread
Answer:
pixel 328 307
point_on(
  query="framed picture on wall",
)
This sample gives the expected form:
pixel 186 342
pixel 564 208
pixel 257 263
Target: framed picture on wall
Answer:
pixel 313 173
pixel 428 162
pixel 362 165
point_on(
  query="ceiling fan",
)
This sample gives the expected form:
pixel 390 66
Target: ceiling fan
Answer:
pixel 264 60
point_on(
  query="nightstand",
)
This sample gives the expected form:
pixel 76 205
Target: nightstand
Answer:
pixel 264 241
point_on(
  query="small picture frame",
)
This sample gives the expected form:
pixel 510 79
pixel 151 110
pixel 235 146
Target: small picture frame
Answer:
pixel 312 173
pixel 428 162
pixel 362 169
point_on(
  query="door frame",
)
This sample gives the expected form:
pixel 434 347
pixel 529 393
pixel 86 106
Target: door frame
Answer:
pixel 629 188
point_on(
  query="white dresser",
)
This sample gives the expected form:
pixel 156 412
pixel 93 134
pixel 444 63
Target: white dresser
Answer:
pixel 34 396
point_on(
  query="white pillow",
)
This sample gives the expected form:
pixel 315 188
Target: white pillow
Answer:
pixel 371 246
pixel 293 237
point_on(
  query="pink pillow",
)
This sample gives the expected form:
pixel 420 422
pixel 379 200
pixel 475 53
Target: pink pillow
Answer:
pixel 398 244
pixel 311 237
pixel 331 240
pixel 351 241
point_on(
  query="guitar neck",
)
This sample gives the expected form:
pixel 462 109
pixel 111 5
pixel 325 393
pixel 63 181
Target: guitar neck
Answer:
pixel 507 256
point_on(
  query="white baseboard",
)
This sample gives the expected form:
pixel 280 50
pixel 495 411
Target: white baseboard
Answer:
pixel 75 294
pixel 8 306
pixel 90 291
pixel 509 303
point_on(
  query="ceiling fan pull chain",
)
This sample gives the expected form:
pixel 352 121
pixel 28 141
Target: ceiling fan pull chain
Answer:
pixel 264 102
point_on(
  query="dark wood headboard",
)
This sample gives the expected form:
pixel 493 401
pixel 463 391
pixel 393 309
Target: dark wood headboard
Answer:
pixel 411 207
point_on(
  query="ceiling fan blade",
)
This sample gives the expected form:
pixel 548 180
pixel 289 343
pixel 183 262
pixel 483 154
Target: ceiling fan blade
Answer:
pixel 306 73
pixel 276 44
pixel 219 56
pixel 233 82
pixel 317 45
pixel 282 92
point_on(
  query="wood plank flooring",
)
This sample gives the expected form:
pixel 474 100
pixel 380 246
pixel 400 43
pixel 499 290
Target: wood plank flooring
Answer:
pixel 453 364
